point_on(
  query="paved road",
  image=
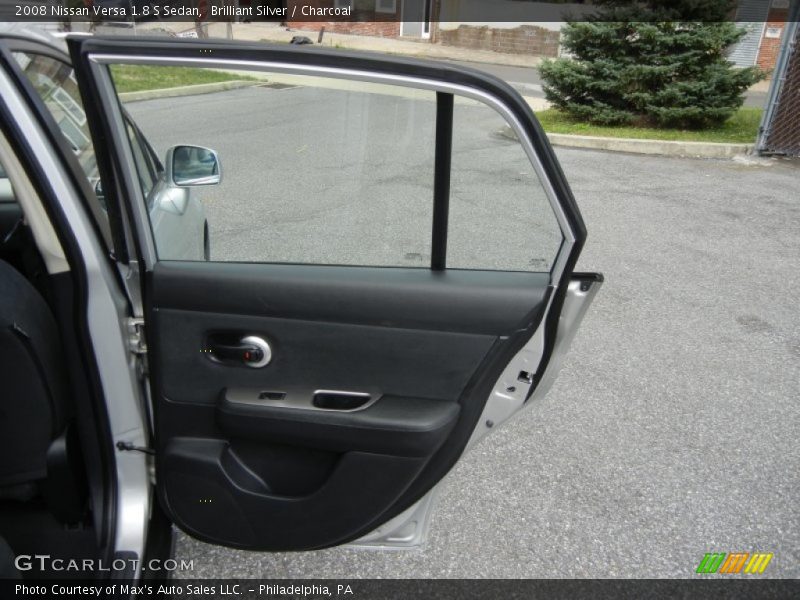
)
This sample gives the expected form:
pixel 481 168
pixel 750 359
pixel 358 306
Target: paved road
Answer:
pixel 672 430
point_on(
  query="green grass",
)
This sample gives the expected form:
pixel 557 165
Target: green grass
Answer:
pixel 742 127
pixel 136 78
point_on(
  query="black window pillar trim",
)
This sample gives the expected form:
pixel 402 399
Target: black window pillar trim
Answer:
pixel 441 179
pixel 109 166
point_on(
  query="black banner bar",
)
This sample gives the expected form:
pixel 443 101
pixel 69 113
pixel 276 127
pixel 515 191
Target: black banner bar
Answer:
pixel 390 589
pixel 473 12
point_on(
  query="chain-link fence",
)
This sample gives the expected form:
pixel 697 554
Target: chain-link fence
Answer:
pixel 780 128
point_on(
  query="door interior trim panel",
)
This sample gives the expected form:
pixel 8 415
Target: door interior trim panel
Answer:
pixel 480 302
pixel 211 494
pixel 312 356
pixel 426 346
pixel 245 456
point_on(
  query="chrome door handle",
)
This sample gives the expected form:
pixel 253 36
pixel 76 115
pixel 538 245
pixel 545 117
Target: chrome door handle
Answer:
pixel 251 351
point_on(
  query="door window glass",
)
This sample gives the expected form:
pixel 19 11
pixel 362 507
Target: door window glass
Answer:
pixel 322 170
pixel 314 170
pixel 144 164
pixel 54 81
pixel 500 215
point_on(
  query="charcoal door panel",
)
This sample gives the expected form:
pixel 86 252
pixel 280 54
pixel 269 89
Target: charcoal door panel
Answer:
pixel 267 474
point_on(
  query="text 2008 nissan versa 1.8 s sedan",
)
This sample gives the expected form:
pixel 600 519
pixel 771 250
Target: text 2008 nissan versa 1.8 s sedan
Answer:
pixel 392 278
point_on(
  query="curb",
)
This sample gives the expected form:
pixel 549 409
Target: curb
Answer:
pixel 636 146
pixel 655 147
pixel 644 146
pixel 186 90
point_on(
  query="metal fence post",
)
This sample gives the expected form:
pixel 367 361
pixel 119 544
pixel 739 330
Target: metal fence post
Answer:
pixel 779 131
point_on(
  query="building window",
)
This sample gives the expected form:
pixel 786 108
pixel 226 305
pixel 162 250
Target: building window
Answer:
pixel 342 3
pixel 386 6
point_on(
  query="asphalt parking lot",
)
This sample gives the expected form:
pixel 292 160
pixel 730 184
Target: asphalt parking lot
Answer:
pixel 672 430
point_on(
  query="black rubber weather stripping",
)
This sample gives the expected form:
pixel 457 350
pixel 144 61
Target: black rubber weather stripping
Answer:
pixel 441 179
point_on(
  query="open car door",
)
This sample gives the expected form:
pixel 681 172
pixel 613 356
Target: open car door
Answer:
pixel 390 277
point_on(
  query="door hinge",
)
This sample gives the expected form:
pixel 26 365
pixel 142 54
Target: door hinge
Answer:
pixel 137 343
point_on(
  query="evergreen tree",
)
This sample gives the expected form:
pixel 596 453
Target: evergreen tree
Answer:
pixel 656 62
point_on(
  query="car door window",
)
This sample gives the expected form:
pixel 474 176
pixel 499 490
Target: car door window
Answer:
pixel 500 216
pixel 145 167
pixel 54 81
pixel 344 180
pixel 322 170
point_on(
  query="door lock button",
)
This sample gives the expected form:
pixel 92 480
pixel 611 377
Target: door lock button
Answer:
pixel 253 354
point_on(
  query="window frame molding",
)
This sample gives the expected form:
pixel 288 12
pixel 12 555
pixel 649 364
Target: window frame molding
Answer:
pixel 97 54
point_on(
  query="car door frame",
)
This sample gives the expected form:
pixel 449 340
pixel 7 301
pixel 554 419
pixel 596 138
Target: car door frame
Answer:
pixel 532 354
pixel 97 311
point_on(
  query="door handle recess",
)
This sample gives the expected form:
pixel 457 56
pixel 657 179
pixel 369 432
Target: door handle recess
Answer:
pixel 394 425
pixel 251 351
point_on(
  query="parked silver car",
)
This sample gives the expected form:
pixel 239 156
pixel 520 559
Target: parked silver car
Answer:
pixel 178 218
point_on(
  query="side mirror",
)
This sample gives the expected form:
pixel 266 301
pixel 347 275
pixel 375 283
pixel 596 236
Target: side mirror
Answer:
pixel 189 166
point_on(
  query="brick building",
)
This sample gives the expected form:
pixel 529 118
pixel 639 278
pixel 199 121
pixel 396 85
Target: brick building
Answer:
pixel 773 32
pixel 765 22
pixel 440 21
pixel 525 38
pixel 457 23
pixel 380 18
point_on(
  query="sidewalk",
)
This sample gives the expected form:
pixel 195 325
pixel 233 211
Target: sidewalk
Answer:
pixel 273 32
